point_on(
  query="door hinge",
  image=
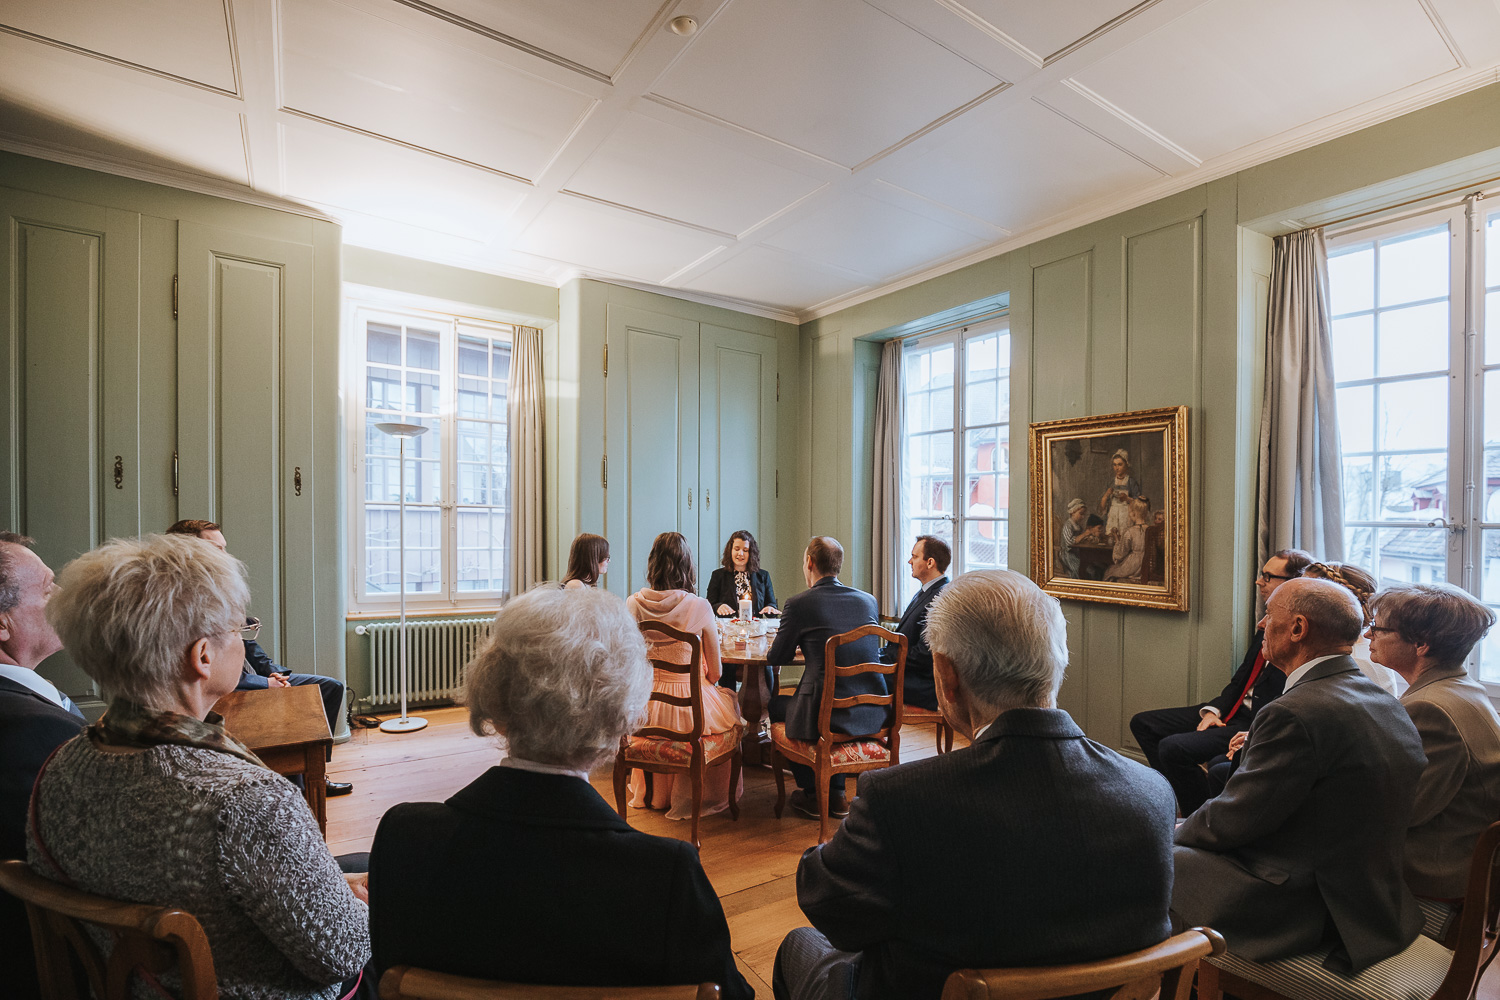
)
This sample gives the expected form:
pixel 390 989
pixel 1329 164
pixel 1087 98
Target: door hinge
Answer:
pixel 174 473
pixel 778 387
pixel 174 296
pixel 606 361
pixel 604 473
pixel 778 484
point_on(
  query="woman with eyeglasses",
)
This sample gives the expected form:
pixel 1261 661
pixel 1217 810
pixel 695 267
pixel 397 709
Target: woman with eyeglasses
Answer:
pixel 156 803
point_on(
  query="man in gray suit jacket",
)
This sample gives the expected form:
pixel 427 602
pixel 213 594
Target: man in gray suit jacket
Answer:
pixel 1033 846
pixel 1308 835
pixel 825 609
pixel 1424 632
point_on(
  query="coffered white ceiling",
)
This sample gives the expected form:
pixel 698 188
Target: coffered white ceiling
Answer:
pixel 790 157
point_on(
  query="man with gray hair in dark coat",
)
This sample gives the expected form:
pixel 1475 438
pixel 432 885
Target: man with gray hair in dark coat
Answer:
pixel 1304 847
pixel 1033 846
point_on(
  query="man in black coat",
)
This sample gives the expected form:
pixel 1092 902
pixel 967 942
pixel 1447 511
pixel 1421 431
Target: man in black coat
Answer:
pixel 1306 843
pixel 260 670
pixel 825 609
pixel 1033 846
pixel 1178 741
pixel 929 567
pixel 35 719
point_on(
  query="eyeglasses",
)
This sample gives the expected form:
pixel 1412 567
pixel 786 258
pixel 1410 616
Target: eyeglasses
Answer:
pixel 1377 629
pixel 249 630
pixel 1264 576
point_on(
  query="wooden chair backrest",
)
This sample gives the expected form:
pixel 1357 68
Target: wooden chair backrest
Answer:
pixel 149 938
pixel 1167 967
pixel 832 671
pixel 693 668
pixel 402 982
pixel 1478 931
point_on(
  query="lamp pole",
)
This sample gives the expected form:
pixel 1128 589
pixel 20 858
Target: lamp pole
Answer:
pixel 402 433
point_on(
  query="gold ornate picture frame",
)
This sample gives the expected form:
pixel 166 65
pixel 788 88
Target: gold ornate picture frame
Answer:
pixel 1109 508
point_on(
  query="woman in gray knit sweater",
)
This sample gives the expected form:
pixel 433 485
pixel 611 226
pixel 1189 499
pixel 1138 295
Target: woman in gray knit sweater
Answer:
pixel 157 804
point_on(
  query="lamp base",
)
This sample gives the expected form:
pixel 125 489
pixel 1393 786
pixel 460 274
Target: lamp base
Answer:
pixel 409 724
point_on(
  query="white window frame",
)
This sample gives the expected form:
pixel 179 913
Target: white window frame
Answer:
pixel 959 337
pixel 1464 525
pixel 363 304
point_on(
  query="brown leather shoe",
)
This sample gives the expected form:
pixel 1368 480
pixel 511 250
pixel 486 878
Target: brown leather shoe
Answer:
pixel 838 806
pixel 337 788
pixel 803 804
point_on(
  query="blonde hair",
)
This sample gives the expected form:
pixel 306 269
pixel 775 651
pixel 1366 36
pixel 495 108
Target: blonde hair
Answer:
pixel 1352 578
pixel 128 610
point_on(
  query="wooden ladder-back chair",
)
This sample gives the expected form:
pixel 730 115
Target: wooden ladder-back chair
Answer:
pixel 1167 967
pixel 837 753
pixel 148 941
pixel 658 750
pixel 913 715
pixel 1426 970
pixel 402 982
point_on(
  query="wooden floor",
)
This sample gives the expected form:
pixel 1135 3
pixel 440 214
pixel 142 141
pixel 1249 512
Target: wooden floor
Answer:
pixel 751 861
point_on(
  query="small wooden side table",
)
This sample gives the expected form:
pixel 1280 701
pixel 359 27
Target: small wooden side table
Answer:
pixel 286 728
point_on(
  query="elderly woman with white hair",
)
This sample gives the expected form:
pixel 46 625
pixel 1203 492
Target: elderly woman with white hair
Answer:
pixel 527 875
pixel 156 803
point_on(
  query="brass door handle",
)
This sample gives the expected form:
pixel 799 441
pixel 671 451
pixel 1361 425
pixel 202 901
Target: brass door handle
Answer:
pixel 690 498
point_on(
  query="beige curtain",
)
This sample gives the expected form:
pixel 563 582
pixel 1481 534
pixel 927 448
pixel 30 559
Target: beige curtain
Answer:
pixel 1301 471
pixel 886 547
pixel 528 537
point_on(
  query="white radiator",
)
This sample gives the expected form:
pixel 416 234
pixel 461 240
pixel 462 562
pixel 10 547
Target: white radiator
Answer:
pixel 436 652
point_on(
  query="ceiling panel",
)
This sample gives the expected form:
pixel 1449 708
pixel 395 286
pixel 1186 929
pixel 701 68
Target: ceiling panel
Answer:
pixel 183 38
pixel 74 101
pixel 352 171
pixel 668 171
pixel 837 78
pixel 592 34
pixel 1047 28
pixel 1228 74
pixel 871 237
pixel 608 239
pixel 351 67
pixel 758 274
pixel 1017 166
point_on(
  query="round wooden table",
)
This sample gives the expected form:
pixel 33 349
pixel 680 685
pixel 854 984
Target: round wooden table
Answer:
pixel 754 697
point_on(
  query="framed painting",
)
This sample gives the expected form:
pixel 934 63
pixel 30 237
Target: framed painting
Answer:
pixel 1109 508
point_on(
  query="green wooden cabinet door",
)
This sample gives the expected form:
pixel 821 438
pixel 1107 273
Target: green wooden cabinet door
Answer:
pixel 245 421
pixel 736 442
pixel 651 438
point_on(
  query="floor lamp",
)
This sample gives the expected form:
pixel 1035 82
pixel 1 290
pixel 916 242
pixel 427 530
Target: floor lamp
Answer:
pixel 403 433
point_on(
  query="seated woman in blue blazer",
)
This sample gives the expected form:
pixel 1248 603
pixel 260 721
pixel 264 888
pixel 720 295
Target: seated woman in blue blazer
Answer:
pixel 740 576
pixel 527 875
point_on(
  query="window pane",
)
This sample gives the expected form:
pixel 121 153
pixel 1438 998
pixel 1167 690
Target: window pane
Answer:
pixel 421 392
pixel 1354 348
pixel 1489 581
pixel 1351 277
pixel 1413 415
pixel 1492 251
pixel 502 362
pixel 1492 328
pixel 473 357
pixel 383 388
pixel 940 409
pixel 422 349
pixel 1414 339
pixel 1414 267
pixel 1356 409
pixel 984 544
pixel 1411 555
pixel 382 344
pixel 473 398
pixel 1413 487
pixel 980 403
pixel 1359 547
pixel 1359 489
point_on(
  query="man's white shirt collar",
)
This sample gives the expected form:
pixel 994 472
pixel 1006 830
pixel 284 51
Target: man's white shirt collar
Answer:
pixel 522 764
pixel 1301 672
pixel 33 680
pixel 931 583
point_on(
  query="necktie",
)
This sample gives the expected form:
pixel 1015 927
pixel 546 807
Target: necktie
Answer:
pixel 1260 662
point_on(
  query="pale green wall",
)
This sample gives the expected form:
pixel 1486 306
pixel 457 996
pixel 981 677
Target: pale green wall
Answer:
pixel 1161 305
pixel 574 492
pixel 441 281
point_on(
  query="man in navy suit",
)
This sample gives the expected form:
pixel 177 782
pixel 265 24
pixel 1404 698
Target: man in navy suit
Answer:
pixel 825 609
pixel 260 670
pixel 1032 846
pixel 929 567
pixel 35 719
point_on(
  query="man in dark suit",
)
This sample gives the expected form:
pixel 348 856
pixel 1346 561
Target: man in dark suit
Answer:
pixel 260 670
pixel 1305 845
pixel 1179 741
pixel 929 567
pixel 825 609
pixel 35 719
pixel 1033 846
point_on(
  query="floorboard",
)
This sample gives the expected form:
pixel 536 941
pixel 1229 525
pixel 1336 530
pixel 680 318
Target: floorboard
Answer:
pixel 751 861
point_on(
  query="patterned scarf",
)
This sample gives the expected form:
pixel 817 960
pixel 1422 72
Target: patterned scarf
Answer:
pixel 742 586
pixel 126 724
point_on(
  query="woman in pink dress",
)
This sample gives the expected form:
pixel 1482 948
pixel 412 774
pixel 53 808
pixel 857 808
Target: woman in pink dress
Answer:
pixel 670 596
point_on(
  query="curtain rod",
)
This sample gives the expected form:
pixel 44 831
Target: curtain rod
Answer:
pixel 1472 187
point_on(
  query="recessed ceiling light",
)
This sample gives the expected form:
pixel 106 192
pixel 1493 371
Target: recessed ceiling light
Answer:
pixel 683 25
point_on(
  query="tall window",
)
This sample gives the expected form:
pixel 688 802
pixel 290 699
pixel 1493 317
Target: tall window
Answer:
pixel 450 375
pixel 1416 339
pixel 955 468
